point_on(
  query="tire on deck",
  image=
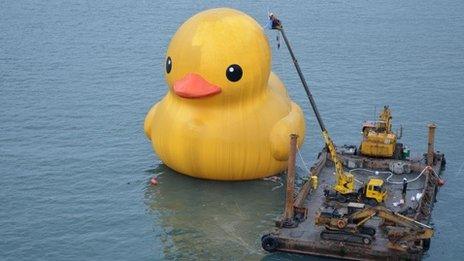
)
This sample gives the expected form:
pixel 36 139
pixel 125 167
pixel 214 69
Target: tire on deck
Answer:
pixel 269 243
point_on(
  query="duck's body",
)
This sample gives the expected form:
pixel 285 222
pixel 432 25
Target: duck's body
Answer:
pixel 211 125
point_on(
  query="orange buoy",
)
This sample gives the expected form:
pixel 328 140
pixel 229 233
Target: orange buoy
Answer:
pixel 154 181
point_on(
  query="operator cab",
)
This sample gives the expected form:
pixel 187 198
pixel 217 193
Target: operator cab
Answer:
pixel 375 189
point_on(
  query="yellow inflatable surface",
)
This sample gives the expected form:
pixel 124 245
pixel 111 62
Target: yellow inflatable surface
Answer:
pixel 225 116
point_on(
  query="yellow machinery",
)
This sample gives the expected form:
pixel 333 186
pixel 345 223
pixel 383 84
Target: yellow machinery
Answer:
pixel 403 233
pixel 378 138
pixel 374 190
pixel 344 188
pixel 344 180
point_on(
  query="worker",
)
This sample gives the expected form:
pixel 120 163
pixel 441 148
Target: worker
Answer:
pixel 405 188
pixel 275 23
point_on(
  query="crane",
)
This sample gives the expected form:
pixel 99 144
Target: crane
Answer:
pixel 344 188
pixel 378 138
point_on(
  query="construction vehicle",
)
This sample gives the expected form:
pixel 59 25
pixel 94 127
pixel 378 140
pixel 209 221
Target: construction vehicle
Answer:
pixel 403 233
pixel 372 193
pixel 378 138
pixel 344 188
pixel 374 189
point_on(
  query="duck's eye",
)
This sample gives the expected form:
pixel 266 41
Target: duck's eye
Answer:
pixel 234 72
pixel 168 64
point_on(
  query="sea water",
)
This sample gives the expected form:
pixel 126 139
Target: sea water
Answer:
pixel 78 77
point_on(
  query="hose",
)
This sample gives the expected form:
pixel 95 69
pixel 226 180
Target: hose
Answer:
pixel 390 176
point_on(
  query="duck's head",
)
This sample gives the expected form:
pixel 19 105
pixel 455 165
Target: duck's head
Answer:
pixel 217 55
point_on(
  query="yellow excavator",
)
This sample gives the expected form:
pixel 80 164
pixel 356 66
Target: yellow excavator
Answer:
pixel 403 233
pixel 344 189
pixel 378 138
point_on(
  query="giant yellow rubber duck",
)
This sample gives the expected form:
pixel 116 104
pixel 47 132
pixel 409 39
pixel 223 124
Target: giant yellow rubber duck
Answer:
pixel 225 116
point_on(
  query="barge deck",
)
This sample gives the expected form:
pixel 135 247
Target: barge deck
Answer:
pixel 303 236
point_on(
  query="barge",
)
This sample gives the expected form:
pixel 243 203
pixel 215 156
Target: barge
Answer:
pixel 406 209
pixel 372 202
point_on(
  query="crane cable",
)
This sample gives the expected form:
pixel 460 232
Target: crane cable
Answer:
pixel 302 160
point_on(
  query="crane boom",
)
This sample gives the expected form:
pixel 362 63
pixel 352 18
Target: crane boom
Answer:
pixel 345 181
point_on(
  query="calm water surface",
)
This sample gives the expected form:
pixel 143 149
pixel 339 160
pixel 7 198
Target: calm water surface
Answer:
pixel 77 78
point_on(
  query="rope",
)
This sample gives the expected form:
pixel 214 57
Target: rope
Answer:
pixel 434 173
pixel 278 186
pixel 372 171
pixel 368 170
pixel 409 181
pixel 460 169
pixel 302 160
pixel 392 174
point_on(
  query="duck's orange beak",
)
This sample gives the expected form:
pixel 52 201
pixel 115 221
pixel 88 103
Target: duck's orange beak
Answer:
pixel 194 86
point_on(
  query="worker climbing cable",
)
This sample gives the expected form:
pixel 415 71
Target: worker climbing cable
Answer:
pixel 274 23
